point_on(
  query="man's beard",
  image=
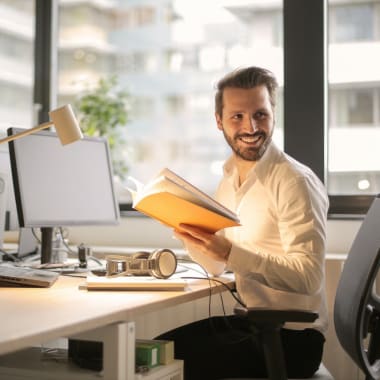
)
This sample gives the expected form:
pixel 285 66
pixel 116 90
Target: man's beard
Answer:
pixel 248 153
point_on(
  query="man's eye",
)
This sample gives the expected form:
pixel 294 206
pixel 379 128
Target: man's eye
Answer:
pixel 260 115
pixel 237 116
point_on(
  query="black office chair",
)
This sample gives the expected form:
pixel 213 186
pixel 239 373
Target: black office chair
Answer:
pixel 356 309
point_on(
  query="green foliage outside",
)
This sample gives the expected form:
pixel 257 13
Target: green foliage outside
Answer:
pixel 103 111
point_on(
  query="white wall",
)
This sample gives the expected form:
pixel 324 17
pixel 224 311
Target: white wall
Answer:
pixel 138 231
pixel 135 231
pixel 144 232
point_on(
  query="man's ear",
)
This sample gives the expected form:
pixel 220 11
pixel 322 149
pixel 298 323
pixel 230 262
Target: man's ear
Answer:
pixel 219 121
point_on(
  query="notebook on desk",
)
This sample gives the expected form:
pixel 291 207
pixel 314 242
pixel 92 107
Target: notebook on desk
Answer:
pixel 134 283
pixel 28 277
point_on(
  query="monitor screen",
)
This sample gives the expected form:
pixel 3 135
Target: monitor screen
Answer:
pixel 57 185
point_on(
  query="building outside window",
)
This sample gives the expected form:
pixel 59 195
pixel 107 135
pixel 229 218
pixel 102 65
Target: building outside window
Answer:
pixel 16 63
pixel 354 88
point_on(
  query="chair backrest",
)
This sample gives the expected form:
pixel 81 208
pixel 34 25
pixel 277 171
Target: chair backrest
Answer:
pixel 357 306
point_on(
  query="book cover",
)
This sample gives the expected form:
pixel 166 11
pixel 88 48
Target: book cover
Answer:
pixel 147 353
pixel 166 351
pixel 172 200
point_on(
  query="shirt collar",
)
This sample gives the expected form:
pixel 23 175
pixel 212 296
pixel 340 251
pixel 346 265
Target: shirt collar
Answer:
pixel 260 170
pixel 265 165
pixel 230 171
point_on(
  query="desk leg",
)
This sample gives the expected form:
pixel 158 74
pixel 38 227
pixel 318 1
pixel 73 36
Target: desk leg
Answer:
pixel 118 350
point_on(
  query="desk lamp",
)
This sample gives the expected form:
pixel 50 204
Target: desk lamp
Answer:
pixel 65 124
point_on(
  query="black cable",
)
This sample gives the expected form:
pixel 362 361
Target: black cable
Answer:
pixel 36 236
pixel 204 271
pixel 9 256
pixel 64 241
pixel 210 279
pixel 232 292
pixel 222 339
pixel 96 260
pixel 220 282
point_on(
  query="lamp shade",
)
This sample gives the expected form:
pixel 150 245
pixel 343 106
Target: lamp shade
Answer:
pixel 64 121
pixel 66 125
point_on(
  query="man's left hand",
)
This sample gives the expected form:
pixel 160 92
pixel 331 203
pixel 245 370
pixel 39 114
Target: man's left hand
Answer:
pixel 212 245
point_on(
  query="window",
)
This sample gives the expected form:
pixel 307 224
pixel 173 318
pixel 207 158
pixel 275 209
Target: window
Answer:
pixel 16 63
pixel 353 107
pixel 168 55
pixel 354 124
pixel 352 22
pixel 134 16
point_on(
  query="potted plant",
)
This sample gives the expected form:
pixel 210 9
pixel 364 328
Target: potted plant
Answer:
pixel 103 111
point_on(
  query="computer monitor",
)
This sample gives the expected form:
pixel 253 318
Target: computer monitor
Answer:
pixel 58 186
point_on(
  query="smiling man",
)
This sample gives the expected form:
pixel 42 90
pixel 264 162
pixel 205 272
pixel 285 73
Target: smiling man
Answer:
pixel 277 254
pixel 246 118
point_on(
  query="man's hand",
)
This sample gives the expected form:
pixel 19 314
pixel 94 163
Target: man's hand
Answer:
pixel 214 246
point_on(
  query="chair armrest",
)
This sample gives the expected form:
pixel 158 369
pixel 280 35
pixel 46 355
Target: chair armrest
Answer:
pixel 261 315
pixel 266 324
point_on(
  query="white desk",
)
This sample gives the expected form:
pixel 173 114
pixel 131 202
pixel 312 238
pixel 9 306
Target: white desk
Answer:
pixel 30 316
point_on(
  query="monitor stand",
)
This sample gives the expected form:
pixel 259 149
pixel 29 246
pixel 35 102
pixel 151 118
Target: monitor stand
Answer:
pixel 46 244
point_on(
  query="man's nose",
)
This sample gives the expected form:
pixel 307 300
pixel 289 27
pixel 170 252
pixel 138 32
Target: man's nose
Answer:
pixel 252 123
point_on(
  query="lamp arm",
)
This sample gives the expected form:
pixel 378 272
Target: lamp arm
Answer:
pixel 26 132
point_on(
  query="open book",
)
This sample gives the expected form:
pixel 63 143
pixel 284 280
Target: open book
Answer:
pixel 172 200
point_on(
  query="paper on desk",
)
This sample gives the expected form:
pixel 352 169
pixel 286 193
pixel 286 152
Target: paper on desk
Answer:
pixel 134 283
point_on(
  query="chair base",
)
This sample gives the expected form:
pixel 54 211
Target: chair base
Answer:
pixel 322 374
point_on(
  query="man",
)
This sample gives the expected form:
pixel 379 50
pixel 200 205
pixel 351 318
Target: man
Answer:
pixel 277 254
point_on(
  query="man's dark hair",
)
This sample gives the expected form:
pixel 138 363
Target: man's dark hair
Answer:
pixel 246 78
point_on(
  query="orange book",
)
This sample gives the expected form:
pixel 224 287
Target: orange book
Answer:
pixel 172 200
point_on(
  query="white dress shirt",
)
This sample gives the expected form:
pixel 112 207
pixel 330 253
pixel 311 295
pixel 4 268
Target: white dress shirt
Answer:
pixel 278 252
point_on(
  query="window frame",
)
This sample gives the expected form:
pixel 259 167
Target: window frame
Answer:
pixel 305 52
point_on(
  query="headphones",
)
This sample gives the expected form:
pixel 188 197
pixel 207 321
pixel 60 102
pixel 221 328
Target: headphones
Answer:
pixel 161 263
